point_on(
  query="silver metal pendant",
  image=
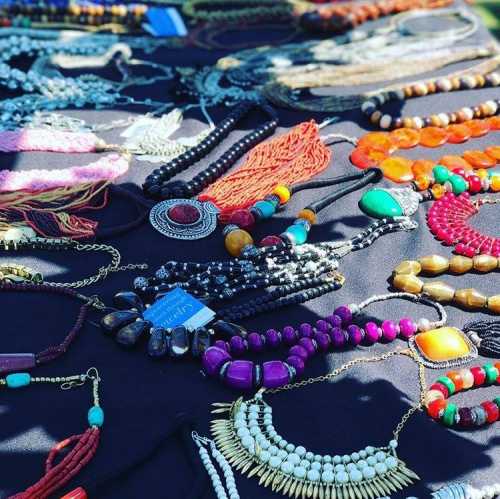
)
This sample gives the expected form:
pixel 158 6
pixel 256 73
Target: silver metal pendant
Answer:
pixel 184 218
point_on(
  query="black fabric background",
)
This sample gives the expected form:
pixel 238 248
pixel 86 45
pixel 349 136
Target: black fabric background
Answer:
pixel 143 399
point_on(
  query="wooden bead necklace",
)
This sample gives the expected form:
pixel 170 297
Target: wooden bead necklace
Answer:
pixel 374 149
pixel 16 361
pixel 84 445
pixel 448 221
pixel 339 18
pixel 371 106
pixel 405 279
pixel 453 382
pixel 240 221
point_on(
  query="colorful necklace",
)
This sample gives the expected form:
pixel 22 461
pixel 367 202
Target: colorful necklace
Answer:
pixel 15 361
pixel 438 407
pixel 374 149
pixel 240 221
pixel 84 445
pixel 335 331
pixel 448 221
pixel 248 438
pixel 405 279
pixel 371 107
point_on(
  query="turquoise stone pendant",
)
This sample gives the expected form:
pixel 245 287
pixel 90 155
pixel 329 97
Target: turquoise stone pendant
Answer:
pixel 382 203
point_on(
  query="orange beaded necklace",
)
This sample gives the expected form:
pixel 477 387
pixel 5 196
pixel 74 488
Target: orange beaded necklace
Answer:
pixel 374 149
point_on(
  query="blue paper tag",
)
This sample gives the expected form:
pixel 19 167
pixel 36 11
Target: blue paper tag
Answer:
pixel 178 308
pixel 165 22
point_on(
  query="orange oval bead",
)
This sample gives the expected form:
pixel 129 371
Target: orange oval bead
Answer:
pixel 494 122
pixel 438 191
pixel 423 167
pixel 378 140
pixel 458 133
pixel 478 128
pixel 397 169
pixel 433 136
pixel 236 240
pixel 405 138
pixel 457 380
pixel 493 152
pixel 478 159
pixel 451 162
pixel 365 157
pixel 422 182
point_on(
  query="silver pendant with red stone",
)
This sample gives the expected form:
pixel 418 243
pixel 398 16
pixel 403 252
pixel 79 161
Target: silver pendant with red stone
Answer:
pixel 184 218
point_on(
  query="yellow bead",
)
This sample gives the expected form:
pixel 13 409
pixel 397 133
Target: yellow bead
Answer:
pixel 485 263
pixel 442 344
pixel 308 215
pixel 236 240
pixel 495 183
pixel 283 192
pixel 470 298
pixel 408 283
pixel 494 304
pixel 422 182
pixel 482 173
pixel 438 290
pixel 460 264
pixel 408 267
pixel 434 264
pixel 438 191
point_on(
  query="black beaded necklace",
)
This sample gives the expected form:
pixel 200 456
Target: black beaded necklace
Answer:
pixel 158 186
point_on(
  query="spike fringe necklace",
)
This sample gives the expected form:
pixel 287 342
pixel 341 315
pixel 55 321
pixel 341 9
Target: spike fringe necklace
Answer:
pixel 84 445
pixel 249 440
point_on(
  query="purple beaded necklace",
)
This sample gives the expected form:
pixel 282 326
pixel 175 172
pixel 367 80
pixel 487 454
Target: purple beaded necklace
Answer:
pixel 336 331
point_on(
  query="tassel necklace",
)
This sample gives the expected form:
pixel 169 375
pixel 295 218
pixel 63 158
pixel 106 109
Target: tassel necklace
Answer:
pixel 247 436
pixel 84 445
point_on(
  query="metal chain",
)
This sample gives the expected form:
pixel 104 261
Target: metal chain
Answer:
pixel 103 271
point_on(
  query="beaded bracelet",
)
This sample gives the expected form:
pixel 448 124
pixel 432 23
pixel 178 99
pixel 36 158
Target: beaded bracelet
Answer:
pixel 15 361
pixel 371 106
pixel 335 331
pixel 455 381
pixel 84 445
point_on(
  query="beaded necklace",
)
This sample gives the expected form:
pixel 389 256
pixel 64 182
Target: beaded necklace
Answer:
pixel 247 437
pixel 453 382
pixel 297 274
pixel 460 489
pixel 26 361
pixel 84 445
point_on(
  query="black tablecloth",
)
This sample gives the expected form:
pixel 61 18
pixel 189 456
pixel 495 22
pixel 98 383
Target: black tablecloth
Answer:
pixel 143 400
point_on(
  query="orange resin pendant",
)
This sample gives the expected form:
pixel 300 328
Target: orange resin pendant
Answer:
pixel 405 138
pixel 458 133
pixel 478 159
pixel 478 128
pixel 397 169
pixel 433 136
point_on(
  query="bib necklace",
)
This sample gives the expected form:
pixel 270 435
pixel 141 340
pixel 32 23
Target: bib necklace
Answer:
pixel 84 445
pixel 447 413
pixel 247 437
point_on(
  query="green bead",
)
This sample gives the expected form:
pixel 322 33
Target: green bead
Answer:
pixel 299 233
pixel 18 380
pixel 444 380
pixel 458 184
pixel 448 417
pixel 266 208
pixel 441 174
pixel 378 203
pixel 497 401
pixel 491 373
pixel 95 416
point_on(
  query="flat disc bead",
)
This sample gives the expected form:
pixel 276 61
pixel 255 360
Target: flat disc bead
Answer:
pixel 478 128
pixel 433 136
pixel 452 161
pixel 397 169
pixel 493 152
pixel 422 167
pixel 449 414
pixel 467 378
pixel 478 159
pixel 492 411
pixel 378 140
pixel 456 379
pixel 458 133
pixel 405 138
pixel 494 122
pixel 364 157
pixel 479 375
pixel 436 408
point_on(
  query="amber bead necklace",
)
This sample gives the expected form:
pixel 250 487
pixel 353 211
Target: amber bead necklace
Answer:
pixel 374 149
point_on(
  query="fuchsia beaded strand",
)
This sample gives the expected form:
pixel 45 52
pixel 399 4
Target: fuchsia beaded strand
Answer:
pixel 336 331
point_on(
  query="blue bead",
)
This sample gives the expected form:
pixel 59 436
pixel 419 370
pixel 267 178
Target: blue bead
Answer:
pixel 266 208
pixel 298 232
pixel 95 416
pixel 18 380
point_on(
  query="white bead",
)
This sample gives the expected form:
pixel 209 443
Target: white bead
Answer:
pixel 444 118
pixel 418 122
pixel 423 324
pixel 385 121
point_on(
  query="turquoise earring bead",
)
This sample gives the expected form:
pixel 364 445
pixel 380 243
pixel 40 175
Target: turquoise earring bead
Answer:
pixel 378 203
pixel 441 174
pixel 95 416
pixel 298 232
pixel 18 380
pixel 266 208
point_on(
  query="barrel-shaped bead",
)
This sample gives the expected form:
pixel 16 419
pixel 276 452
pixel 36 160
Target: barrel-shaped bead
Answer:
pixel 95 416
pixel 18 380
